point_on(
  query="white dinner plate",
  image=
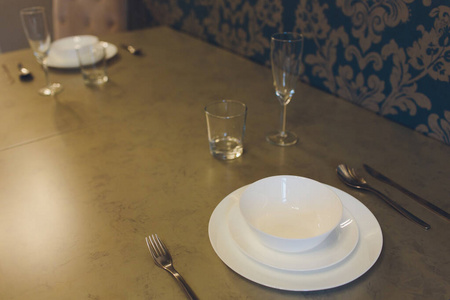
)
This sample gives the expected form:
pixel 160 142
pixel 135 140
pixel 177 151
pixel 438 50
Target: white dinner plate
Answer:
pixel 337 246
pixel 356 264
pixel 55 60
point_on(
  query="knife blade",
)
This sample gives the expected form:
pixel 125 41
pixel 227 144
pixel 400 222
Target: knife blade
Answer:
pixel 415 197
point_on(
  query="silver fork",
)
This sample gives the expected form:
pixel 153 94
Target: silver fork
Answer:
pixel 351 178
pixel 163 259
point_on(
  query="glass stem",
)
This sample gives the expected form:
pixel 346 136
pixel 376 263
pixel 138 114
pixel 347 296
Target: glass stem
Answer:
pixel 283 120
pixel 45 68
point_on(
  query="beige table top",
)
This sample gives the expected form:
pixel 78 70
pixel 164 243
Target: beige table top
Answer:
pixel 86 175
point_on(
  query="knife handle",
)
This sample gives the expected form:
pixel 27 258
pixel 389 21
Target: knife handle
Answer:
pixel 400 209
pixel 410 194
pixel 424 202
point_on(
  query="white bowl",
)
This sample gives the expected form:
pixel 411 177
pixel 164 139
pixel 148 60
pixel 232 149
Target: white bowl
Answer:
pixel 290 213
pixel 66 47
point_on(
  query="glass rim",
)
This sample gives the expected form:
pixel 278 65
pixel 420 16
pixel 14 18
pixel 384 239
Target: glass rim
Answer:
pixel 295 36
pixel 32 10
pixel 236 115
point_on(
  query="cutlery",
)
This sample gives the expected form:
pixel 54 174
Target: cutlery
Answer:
pixel 352 179
pixel 132 50
pixel 163 259
pixel 8 74
pixel 415 197
pixel 24 73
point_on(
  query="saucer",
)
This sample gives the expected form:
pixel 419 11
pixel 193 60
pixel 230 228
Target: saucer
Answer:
pixel 338 245
pixel 360 260
pixel 56 60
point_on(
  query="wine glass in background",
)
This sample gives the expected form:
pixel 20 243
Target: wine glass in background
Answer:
pixel 285 55
pixel 35 26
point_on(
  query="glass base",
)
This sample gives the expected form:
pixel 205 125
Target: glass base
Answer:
pixel 226 148
pixel 279 139
pixel 52 89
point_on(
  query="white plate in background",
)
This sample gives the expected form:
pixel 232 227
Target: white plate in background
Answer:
pixel 62 52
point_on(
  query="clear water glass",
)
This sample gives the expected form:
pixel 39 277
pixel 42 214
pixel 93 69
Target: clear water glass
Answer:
pixel 225 122
pixel 92 59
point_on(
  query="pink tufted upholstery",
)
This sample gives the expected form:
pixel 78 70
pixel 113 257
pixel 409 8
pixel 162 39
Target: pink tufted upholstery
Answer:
pixel 96 17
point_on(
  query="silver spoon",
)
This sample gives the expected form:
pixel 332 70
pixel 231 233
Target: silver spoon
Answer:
pixel 24 73
pixel 132 50
pixel 350 178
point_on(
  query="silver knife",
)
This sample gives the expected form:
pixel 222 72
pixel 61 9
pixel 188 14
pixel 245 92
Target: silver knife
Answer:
pixel 420 200
pixel 8 75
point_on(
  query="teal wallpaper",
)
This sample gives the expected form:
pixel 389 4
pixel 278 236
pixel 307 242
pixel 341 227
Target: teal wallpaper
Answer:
pixel 389 56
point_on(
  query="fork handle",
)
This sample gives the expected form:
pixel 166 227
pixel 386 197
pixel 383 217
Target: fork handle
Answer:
pixel 400 209
pixel 186 288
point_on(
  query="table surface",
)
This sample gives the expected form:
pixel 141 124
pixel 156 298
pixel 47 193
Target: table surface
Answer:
pixel 87 174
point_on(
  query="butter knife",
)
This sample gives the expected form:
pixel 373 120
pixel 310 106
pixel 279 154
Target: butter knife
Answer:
pixel 8 74
pixel 419 199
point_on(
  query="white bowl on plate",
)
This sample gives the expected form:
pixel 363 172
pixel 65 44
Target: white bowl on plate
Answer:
pixel 66 47
pixel 290 213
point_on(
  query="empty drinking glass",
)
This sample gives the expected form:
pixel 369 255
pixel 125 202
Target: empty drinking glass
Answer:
pixel 285 56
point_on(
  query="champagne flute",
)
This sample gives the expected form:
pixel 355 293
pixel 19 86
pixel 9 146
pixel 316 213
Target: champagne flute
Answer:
pixel 285 55
pixel 35 26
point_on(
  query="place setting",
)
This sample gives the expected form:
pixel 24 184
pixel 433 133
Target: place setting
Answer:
pixel 294 233
pixel 84 52
pixel 286 232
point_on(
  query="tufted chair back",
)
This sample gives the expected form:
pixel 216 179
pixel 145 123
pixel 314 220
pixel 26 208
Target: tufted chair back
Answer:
pixel 96 17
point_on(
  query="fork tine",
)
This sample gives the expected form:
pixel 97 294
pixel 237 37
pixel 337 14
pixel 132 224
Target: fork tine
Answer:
pixel 353 173
pixel 161 245
pixel 150 247
pixel 155 246
pixel 359 177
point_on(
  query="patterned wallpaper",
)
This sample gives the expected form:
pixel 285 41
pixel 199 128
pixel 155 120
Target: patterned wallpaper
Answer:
pixel 389 56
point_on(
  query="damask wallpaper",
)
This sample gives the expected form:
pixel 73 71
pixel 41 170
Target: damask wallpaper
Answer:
pixel 389 56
